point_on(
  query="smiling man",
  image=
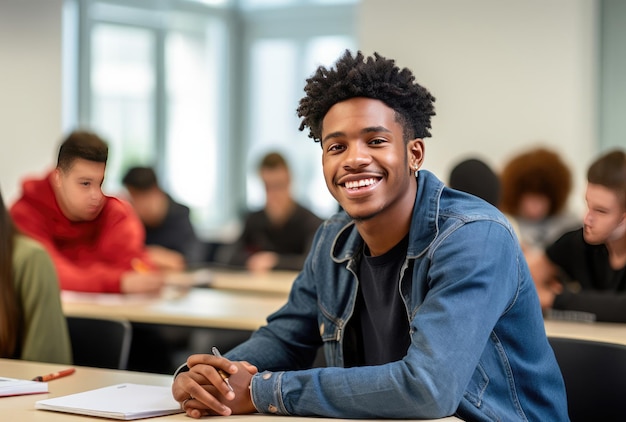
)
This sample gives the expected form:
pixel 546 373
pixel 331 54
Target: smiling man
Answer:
pixel 418 294
pixel 93 239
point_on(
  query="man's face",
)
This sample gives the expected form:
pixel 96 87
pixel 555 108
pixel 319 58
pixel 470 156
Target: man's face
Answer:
pixel 368 168
pixel 150 205
pixel 79 190
pixel 604 220
pixel 277 189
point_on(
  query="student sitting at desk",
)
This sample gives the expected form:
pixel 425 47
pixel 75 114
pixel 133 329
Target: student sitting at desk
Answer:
pixel 419 294
pixel 585 270
pixel 170 237
pixel 32 324
pixel 279 236
pixel 93 239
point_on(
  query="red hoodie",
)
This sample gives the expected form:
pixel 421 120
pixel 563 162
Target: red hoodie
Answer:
pixel 89 256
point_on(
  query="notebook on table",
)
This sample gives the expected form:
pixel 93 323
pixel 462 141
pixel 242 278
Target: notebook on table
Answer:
pixel 19 387
pixel 121 401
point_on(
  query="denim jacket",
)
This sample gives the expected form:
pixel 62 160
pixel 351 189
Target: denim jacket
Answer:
pixel 478 344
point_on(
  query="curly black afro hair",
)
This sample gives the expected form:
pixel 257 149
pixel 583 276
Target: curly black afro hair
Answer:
pixel 372 77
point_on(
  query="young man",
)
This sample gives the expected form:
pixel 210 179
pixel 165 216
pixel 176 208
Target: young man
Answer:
pixel 279 236
pixel 94 240
pixel 591 261
pixel 418 294
pixel 170 237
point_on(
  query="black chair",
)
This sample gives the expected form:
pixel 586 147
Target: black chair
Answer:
pixel 100 343
pixel 595 378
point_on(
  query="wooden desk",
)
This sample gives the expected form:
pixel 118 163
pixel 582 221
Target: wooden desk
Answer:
pixel 598 331
pixel 277 282
pixel 197 307
pixel 22 408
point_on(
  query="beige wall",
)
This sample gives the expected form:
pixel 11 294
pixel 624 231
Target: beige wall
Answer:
pixel 30 88
pixel 507 74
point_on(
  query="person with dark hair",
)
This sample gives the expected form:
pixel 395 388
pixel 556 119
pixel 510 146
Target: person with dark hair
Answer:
pixel 418 294
pixel 279 236
pixel 170 237
pixel 583 273
pixel 32 324
pixel 96 241
pixel 536 185
pixel 474 176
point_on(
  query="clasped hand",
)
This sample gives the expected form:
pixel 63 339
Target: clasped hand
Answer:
pixel 202 391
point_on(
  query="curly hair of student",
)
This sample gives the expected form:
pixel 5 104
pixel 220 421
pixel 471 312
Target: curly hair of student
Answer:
pixel 537 171
pixel 372 77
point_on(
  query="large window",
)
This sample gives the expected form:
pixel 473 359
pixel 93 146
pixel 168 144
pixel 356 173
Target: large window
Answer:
pixel 201 89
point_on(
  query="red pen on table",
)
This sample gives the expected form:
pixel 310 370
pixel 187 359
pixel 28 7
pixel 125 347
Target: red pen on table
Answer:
pixel 54 375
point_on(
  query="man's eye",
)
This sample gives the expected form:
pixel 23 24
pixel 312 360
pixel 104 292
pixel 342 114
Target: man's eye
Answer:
pixel 377 141
pixel 335 147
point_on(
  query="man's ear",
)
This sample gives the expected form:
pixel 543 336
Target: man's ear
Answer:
pixel 415 151
pixel 56 177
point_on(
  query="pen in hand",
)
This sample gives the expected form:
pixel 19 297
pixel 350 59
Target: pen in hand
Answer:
pixel 54 375
pixel 223 374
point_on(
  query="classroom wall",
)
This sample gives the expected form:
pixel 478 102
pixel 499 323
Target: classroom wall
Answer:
pixel 507 74
pixel 30 89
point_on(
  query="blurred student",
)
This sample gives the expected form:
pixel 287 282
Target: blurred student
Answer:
pixel 536 185
pixel 279 236
pixel 170 237
pixel 585 270
pixel 32 324
pixel 474 176
pixel 96 242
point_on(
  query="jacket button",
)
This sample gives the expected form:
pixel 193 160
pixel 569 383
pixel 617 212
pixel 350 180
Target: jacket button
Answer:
pixel 272 409
pixel 267 375
pixel 322 329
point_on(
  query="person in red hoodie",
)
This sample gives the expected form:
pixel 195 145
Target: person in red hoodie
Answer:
pixel 96 241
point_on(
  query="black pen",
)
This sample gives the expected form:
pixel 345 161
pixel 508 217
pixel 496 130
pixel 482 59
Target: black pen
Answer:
pixel 223 374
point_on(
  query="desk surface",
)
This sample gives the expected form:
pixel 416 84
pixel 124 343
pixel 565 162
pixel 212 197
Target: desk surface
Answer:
pixel 597 331
pixel 197 307
pixel 22 408
pixel 236 300
pixel 276 282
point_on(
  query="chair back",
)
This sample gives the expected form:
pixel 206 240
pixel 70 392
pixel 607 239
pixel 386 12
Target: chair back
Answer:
pixel 100 343
pixel 595 378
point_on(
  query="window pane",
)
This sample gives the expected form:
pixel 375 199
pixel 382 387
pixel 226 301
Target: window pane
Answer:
pixel 122 87
pixel 193 161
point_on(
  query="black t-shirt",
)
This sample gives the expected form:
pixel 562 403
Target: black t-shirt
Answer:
pixel 378 331
pixel 585 264
pixel 602 289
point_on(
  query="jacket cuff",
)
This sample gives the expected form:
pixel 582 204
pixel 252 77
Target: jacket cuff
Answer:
pixel 265 391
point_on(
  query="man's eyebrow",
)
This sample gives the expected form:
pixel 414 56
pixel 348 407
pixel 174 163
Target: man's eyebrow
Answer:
pixel 375 129
pixel 332 135
pixel 371 129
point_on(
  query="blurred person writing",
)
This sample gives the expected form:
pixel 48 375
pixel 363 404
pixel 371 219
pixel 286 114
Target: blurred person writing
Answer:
pixel 585 269
pixel 170 237
pixel 535 187
pixel 32 324
pixel 278 236
pixel 96 241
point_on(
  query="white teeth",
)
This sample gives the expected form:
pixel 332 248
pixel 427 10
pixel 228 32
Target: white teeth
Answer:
pixel 360 183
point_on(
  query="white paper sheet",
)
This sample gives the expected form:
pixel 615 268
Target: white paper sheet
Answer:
pixel 120 401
